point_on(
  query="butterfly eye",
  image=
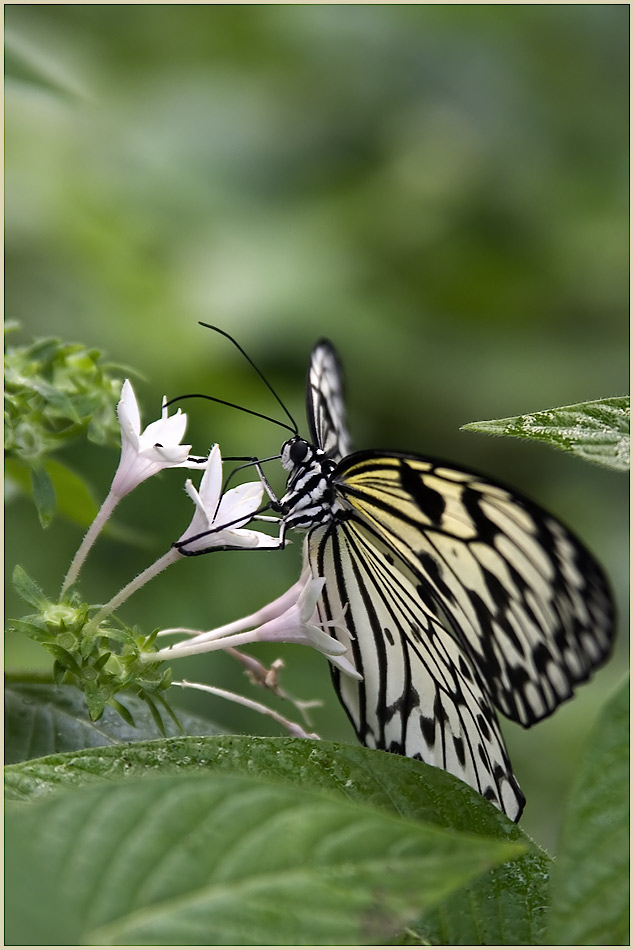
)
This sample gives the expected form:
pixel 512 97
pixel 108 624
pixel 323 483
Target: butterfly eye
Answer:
pixel 298 451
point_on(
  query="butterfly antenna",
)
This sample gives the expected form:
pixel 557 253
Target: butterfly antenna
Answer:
pixel 232 405
pixel 224 333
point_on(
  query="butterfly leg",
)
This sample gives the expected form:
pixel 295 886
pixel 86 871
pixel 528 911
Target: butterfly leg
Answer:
pixel 275 502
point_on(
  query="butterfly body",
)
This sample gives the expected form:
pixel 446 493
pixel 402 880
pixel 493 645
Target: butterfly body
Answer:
pixel 458 595
pixel 310 497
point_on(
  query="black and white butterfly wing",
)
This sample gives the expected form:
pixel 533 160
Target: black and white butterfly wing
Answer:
pixel 521 596
pixel 325 407
pixel 419 695
pixel 455 594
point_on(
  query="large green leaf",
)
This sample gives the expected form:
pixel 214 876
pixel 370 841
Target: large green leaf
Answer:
pixel 41 718
pixel 407 787
pixel 225 859
pixel 590 883
pixel 504 906
pixel 597 431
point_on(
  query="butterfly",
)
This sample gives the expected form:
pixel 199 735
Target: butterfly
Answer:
pixel 460 597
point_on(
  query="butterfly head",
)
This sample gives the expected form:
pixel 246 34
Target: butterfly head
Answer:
pixel 298 453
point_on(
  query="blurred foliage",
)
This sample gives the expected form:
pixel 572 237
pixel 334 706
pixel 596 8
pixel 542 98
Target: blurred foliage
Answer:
pixel 53 393
pixel 441 189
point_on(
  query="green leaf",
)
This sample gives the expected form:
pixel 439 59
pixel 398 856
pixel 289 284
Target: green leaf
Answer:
pixel 43 494
pixel 123 711
pixel 28 590
pixel 504 906
pixel 221 859
pixel 41 718
pixel 63 658
pixel 95 700
pixel 411 788
pixel 170 712
pixel 590 883
pixel 34 631
pixel 597 431
pixel 155 714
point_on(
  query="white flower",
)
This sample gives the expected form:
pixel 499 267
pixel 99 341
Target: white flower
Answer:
pixel 300 623
pixel 143 454
pixel 295 624
pixel 218 521
pixel 292 618
pixel 228 512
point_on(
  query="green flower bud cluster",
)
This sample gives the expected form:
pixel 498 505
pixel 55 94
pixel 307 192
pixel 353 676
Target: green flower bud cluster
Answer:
pixel 102 660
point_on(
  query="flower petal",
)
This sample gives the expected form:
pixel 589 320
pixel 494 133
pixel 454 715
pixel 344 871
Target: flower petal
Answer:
pixel 240 538
pixel 157 448
pixel 128 413
pixel 211 482
pixel 200 521
pixel 173 456
pixel 343 663
pixel 238 505
pixel 168 430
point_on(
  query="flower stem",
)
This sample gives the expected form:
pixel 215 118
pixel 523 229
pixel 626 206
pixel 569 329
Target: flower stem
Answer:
pixel 215 641
pixel 293 727
pixel 269 612
pixel 101 517
pixel 170 557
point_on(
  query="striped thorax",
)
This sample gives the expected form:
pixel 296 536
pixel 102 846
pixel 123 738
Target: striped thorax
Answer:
pixel 309 499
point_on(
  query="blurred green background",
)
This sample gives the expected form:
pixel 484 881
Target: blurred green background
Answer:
pixel 441 189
